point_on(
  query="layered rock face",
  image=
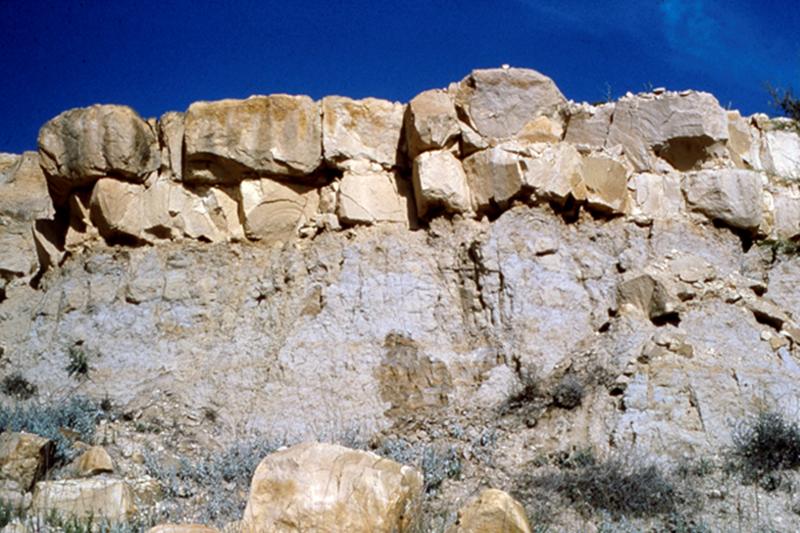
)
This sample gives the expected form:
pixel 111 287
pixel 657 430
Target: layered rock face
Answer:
pixel 313 268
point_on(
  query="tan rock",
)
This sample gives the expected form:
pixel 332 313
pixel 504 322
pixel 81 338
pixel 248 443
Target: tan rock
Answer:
pixel 117 209
pixel 606 181
pixel 81 145
pixel 170 138
pixel 743 142
pixel 362 130
pixel 588 125
pixel 541 130
pixel 94 461
pixel 731 196
pixel 274 210
pixel 494 511
pixel 230 140
pixel 23 190
pixel 780 153
pixel 101 497
pixel 24 459
pixel 681 126
pixel 647 294
pixel 431 122
pixel 494 176
pixel 203 213
pixel 439 181
pixel 554 172
pixel 182 528
pixel 500 102
pixel 368 197
pixel 292 490
pixel 786 201
pixel 656 196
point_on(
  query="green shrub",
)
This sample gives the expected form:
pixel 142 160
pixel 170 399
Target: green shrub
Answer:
pixel 786 102
pixel 568 393
pixel 764 445
pixel 77 414
pixel 16 386
pixel 78 365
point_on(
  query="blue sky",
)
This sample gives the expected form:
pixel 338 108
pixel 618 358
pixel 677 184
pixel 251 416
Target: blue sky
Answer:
pixel 159 55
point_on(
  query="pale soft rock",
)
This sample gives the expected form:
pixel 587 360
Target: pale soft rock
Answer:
pixel 494 177
pixel 94 461
pixel 647 294
pixel 6 161
pixel 731 196
pixel 361 130
pixel 588 125
pixel 554 172
pixel 170 138
pixel 439 181
pixel 101 497
pixel 681 127
pixel 786 211
pixel 541 130
pixel 369 197
pixel 208 214
pixel 316 487
pixel 743 142
pixel 230 140
pixel 606 181
pixel 780 152
pixel 82 145
pixel 656 196
pixel 431 122
pixel 275 210
pixel 182 528
pixel 471 140
pixel 24 459
pixel 493 511
pixel 500 102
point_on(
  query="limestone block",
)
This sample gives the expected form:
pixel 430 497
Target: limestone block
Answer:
pixel 369 197
pixel 494 511
pixel 274 210
pixel 786 201
pixel 656 196
pixel 170 138
pixel 101 497
pixel 431 122
pixel 367 130
pixel 554 172
pixel 24 459
pixel 648 294
pixel 494 176
pixel 588 125
pixel 541 130
pixel 439 181
pixel 780 153
pixel 732 196
pixel 743 142
pixel 326 487
pixel 606 181
pixel 230 140
pixel 94 461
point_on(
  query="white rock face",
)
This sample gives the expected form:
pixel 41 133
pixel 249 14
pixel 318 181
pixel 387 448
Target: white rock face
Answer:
pixel 372 196
pixel 230 140
pixel 315 487
pixel 439 181
pixel 361 130
pixel 780 153
pixel 656 196
pixel 731 196
pixel 500 102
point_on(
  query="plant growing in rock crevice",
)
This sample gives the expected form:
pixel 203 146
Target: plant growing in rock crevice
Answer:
pixel 765 445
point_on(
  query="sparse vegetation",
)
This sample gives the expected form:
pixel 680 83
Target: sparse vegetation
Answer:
pixel 78 365
pixel 786 102
pixel 568 393
pixel 16 386
pixel 765 445
pixel 437 463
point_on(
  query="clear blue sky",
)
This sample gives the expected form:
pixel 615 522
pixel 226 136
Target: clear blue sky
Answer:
pixel 159 55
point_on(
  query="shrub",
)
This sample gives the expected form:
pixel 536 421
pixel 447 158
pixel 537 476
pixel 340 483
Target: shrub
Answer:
pixel 16 386
pixel 437 463
pixel 786 102
pixel 77 414
pixel 568 393
pixel 765 445
pixel 78 365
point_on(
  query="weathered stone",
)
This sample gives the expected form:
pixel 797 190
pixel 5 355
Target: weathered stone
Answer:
pixel 439 181
pixel 728 195
pixel 656 196
pixel 648 294
pixel 680 127
pixel 101 497
pixel 780 153
pixel 24 459
pixel 541 130
pixel 554 172
pixel 368 197
pixel 182 528
pixel 275 210
pixel 500 102
pixel 494 511
pixel 204 213
pixel 494 177
pixel 170 138
pixel 315 487
pixel 606 182
pixel 786 201
pixel 23 191
pixel 431 122
pixel 230 140
pixel 361 130
pixel 743 142
pixel 588 125
pixel 117 209
pixel 82 145
pixel 94 461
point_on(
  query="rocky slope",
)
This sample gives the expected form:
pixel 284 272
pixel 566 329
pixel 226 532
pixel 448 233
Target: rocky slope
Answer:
pixel 490 265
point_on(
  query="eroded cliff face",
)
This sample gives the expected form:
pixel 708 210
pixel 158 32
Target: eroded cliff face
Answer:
pixel 305 268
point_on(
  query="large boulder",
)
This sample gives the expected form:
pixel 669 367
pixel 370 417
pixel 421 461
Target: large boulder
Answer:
pixel 498 103
pixel 431 122
pixel 493 511
pixel 274 210
pixel 24 459
pixel 494 177
pixel 81 145
pixel 731 196
pixel 554 172
pixel 326 487
pixel 681 127
pixel 230 140
pixel 371 196
pixel 439 181
pixel 361 130
pixel 102 498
